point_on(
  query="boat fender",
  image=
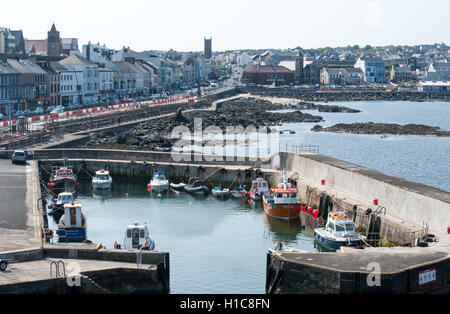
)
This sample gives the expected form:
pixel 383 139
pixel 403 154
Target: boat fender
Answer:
pixel 145 244
pixel 315 214
pixel 310 210
pixel 115 245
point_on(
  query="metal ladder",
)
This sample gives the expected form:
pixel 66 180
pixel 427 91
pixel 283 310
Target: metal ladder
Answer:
pixel 59 276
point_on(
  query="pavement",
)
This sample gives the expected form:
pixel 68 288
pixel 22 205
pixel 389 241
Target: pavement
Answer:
pixel 40 269
pixel 17 219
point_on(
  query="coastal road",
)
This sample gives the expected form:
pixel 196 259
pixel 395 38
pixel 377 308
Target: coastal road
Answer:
pixel 16 227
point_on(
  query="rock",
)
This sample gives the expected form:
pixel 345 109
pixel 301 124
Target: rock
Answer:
pixel 383 128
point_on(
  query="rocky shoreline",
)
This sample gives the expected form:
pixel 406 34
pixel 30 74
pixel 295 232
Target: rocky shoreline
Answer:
pixel 311 95
pixel 383 128
pixel 156 134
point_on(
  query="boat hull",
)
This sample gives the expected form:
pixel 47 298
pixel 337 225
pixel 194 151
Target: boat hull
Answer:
pixel 160 188
pixel 283 211
pixel 332 244
pixel 72 235
pixel 102 185
pixel 63 184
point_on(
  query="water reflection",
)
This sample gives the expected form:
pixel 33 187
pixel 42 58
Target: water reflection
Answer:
pixel 283 230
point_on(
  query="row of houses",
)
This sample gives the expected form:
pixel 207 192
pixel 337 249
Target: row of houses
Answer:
pixel 299 70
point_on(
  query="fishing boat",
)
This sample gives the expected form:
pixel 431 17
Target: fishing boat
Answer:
pixel 72 225
pixel 136 237
pixel 178 187
pixel 62 178
pixel 282 203
pixel 239 192
pixel 159 183
pixel 58 204
pixel 102 180
pixel 339 231
pixel 218 192
pixel 259 188
pixel 196 186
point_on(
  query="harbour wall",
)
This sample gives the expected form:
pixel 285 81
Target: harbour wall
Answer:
pixel 403 200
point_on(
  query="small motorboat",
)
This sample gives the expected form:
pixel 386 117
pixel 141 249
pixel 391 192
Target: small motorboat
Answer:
pixel 178 187
pixel 259 188
pixel 136 237
pixel 72 225
pixel 339 231
pixel 239 192
pixel 282 203
pixel 159 183
pixel 102 180
pixel 62 178
pixel 218 192
pixel 58 204
pixel 196 186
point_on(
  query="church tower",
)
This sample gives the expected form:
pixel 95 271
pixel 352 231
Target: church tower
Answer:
pixel 299 62
pixel 54 45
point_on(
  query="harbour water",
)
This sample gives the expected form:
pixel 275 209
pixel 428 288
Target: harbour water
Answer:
pixel 219 246
pixel 423 159
pixel 216 246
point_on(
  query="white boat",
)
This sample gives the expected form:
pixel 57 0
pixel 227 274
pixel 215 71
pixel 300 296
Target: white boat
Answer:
pixel 159 183
pixel 259 188
pixel 102 180
pixel 178 187
pixel 218 192
pixel 72 225
pixel 137 237
pixel 239 192
pixel 63 198
pixel 280 247
pixel 339 231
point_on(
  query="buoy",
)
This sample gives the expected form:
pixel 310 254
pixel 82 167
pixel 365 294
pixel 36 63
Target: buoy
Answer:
pixel 448 230
pixel 145 244
pixel 375 201
pixel 115 245
pixel 304 208
pixel 310 210
pixel 315 214
pixel 323 181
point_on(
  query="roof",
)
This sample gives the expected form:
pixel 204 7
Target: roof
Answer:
pixel 40 46
pixel 75 60
pixel 20 66
pixel 435 83
pixel 267 69
pixel 288 64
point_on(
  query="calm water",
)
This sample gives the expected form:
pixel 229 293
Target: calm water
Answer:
pixel 219 246
pixel 423 159
pixel 215 246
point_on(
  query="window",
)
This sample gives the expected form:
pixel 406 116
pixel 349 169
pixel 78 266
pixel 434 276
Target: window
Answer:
pixel 340 228
pixel 129 233
pixel 349 227
pixel 142 234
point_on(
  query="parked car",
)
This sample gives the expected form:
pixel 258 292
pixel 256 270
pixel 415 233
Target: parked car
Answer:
pixel 39 110
pixel 19 156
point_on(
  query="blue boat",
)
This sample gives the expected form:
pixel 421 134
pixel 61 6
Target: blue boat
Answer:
pixel 72 225
pixel 338 232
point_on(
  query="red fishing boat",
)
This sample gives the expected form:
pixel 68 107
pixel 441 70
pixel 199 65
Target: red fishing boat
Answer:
pixel 62 178
pixel 282 203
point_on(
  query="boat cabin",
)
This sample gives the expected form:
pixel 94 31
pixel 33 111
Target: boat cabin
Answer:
pixel 61 173
pixel 159 176
pixel 73 217
pixel 102 175
pixel 339 225
pixel 63 198
pixel 260 186
pixel 137 237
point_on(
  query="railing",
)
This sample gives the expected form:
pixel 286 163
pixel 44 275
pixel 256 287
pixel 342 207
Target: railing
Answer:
pixel 299 148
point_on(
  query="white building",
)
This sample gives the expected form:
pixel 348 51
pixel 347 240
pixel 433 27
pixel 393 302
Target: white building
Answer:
pixel 243 59
pixel 90 80
pixel 97 53
pixel 438 71
pixel 106 82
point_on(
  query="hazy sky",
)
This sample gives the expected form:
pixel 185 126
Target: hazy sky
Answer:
pixel 233 24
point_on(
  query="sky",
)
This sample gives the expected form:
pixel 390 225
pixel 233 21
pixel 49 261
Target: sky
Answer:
pixel 233 24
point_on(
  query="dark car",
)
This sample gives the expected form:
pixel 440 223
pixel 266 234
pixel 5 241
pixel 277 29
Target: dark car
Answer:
pixel 19 156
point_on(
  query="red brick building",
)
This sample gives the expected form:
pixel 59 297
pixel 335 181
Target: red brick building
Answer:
pixel 267 75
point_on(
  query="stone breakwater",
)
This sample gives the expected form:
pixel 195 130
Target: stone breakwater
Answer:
pixel 383 128
pixel 156 134
pixel 315 95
